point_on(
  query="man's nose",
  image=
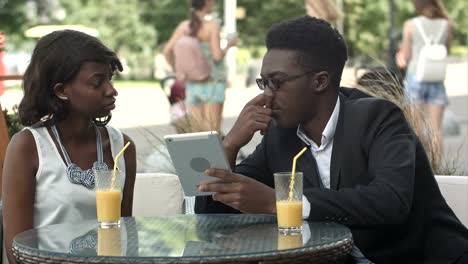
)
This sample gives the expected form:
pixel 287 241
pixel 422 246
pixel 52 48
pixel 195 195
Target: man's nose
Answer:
pixel 268 94
pixel 268 91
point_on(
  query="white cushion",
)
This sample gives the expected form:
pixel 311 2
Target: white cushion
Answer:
pixel 455 191
pixel 157 194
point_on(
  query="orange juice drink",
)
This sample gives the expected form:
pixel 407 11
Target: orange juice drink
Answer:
pixel 289 241
pixel 288 202
pixel 289 213
pixel 109 242
pixel 108 205
pixel 109 187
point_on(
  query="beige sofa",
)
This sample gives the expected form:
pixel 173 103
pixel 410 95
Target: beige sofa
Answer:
pixel 160 194
pixel 157 194
pixel 455 191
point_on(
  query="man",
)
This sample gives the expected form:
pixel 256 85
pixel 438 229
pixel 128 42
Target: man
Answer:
pixel 366 169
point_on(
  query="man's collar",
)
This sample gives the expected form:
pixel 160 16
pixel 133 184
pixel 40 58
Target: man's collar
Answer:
pixel 329 130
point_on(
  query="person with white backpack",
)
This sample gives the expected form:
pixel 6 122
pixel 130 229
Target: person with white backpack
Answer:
pixel 424 49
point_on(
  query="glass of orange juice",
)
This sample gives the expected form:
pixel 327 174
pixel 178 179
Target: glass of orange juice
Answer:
pixel 108 197
pixel 289 202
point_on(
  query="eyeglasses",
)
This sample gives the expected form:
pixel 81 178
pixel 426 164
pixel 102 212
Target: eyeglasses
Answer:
pixel 274 84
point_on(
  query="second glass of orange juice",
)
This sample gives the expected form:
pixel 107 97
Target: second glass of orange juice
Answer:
pixel 289 202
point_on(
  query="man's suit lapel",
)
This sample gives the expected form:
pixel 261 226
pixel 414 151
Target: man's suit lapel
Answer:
pixel 337 152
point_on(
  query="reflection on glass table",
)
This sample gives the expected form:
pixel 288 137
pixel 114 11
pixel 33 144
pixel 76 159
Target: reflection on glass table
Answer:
pixel 188 238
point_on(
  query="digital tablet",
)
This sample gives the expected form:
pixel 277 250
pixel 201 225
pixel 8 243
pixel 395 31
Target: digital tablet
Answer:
pixel 192 154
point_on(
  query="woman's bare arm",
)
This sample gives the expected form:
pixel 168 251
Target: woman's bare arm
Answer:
pixel 216 51
pixel 168 49
pixel 19 174
pixel 407 41
pixel 130 174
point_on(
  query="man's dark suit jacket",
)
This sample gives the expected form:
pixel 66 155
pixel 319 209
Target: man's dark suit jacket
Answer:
pixel 382 185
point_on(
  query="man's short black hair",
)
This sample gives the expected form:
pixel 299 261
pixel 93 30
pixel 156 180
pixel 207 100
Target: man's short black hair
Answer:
pixel 319 45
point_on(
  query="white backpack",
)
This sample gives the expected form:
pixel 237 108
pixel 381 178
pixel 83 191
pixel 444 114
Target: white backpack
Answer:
pixel 432 64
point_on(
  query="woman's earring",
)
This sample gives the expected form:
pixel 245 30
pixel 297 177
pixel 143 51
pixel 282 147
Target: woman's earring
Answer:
pixel 61 97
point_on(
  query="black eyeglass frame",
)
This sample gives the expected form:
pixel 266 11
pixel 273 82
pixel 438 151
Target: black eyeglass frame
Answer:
pixel 274 84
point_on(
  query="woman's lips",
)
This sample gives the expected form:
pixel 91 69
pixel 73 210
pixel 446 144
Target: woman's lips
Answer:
pixel 110 106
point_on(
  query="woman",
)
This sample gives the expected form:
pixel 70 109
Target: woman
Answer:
pixel 426 97
pixel 49 166
pixel 204 99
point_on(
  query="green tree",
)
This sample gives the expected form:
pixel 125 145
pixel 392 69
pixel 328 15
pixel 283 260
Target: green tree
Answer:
pixel 120 27
pixel 164 15
pixel 260 15
pixel 13 22
pixel 13 15
pixel 458 12
pixel 135 28
pixel 367 24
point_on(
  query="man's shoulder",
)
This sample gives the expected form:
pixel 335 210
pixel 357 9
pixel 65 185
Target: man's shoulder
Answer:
pixel 356 99
pixel 281 132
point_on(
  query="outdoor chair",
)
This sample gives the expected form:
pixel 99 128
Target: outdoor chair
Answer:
pixel 455 191
pixel 157 194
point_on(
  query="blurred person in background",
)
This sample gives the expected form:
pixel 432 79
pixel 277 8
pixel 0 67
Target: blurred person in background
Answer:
pixel 324 9
pixel 204 99
pixel 429 98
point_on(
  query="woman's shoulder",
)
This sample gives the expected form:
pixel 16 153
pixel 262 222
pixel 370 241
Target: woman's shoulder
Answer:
pixel 209 28
pixel 410 21
pixel 117 135
pixel 212 24
pixel 23 142
pixel 425 19
pixel 408 25
pixel 114 133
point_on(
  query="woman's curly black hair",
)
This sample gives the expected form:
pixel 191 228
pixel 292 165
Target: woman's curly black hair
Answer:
pixel 318 45
pixel 57 58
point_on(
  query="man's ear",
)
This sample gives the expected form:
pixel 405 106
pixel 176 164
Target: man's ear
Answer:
pixel 321 81
pixel 59 91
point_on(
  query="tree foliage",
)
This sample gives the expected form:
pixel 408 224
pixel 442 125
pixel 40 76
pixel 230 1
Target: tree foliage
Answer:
pixel 367 23
pixel 164 15
pixel 260 15
pixel 13 15
pixel 135 28
pixel 13 21
pixel 120 27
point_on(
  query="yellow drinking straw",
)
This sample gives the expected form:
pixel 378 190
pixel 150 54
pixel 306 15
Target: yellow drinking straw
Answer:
pixel 293 173
pixel 114 172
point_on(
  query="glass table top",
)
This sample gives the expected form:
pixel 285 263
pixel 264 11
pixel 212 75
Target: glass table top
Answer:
pixel 181 236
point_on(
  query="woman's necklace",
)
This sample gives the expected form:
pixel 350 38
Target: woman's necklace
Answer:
pixel 75 174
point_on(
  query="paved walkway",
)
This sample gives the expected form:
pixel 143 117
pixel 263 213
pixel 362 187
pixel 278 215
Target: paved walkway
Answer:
pixel 142 113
